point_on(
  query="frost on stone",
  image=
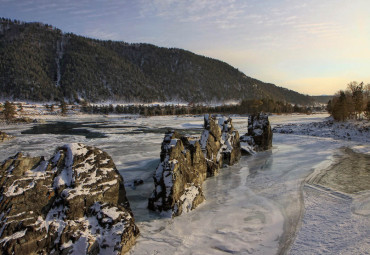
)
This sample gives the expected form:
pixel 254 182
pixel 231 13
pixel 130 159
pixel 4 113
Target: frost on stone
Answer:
pixel 259 136
pixel 182 163
pixel 74 203
pixel 188 197
pixel 186 162
pixel 220 143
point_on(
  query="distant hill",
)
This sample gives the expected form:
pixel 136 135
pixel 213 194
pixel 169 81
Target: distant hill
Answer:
pixel 38 62
pixel 322 99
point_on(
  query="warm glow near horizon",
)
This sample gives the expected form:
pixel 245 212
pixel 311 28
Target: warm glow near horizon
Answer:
pixel 314 47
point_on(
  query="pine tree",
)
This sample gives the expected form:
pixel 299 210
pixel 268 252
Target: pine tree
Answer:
pixel 340 107
pixel 63 108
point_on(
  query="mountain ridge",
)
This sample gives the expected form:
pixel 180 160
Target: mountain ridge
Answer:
pixel 40 63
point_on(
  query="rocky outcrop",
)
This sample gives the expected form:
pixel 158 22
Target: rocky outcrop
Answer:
pixel 186 162
pixel 220 143
pixel 74 203
pixel 259 136
pixel 5 137
pixel 179 175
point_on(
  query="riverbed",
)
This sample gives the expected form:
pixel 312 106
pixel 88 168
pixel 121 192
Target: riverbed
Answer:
pixel 258 206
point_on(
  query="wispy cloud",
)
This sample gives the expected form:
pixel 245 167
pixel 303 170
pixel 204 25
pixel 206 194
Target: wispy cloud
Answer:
pixel 222 13
pixel 282 41
pixel 101 34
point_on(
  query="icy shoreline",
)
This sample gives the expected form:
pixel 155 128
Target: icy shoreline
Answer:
pixel 336 199
pixel 358 131
pixel 312 233
pixel 247 206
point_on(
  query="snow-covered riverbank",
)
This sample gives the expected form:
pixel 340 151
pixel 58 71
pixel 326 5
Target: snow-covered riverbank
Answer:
pixel 350 130
pixel 253 207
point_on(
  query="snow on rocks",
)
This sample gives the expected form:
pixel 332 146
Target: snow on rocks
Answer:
pixel 358 131
pixel 259 136
pixel 220 143
pixel 74 203
pixel 179 175
pixel 186 162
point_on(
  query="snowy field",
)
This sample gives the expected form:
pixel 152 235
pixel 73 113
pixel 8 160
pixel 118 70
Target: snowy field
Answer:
pixel 259 206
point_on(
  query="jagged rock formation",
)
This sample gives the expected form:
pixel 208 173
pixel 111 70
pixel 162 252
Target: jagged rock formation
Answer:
pixel 186 162
pixel 179 176
pixel 220 143
pixel 74 203
pixel 5 137
pixel 259 136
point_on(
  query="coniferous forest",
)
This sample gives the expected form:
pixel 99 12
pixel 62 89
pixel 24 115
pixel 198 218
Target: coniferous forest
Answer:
pixel 39 62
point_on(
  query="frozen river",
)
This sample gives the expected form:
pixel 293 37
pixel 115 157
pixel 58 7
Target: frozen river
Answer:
pixel 254 207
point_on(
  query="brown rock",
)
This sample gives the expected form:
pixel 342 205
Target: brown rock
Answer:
pixel 259 136
pixel 220 143
pixel 75 202
pixel 179 175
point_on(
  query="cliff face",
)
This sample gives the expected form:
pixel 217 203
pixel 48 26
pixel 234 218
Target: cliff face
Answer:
pixel 74 202
pixel 39 62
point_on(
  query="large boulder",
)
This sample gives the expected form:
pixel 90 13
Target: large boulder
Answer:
pixel 73 203
pixel 259 136
pixel 220 143
pixel 179 176
pixel 5 137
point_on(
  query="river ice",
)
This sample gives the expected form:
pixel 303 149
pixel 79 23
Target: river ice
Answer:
pixel 259 206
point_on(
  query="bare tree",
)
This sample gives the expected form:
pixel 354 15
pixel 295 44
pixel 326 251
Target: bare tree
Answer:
pixel 357 91
pixel 9 111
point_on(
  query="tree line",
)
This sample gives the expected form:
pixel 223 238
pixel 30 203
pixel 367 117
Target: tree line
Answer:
pixel 244 107
pixel 352 103
pixel 9 110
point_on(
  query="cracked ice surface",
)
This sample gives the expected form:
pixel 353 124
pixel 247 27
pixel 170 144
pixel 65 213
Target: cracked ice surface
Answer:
pixel 253 207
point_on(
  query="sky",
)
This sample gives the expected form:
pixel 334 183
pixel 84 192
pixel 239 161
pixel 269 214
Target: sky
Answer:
pixel 315 47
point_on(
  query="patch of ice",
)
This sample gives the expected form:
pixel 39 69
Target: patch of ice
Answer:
pixel 361 203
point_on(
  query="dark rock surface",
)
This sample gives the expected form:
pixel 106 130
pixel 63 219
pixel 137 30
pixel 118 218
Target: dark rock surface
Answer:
pixel 5 137
pixel 220 143
pixel 259 136
pixel 73 203
pixel 179 176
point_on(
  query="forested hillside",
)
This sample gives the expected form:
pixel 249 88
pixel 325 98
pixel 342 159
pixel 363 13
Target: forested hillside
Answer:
pixel 39 62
